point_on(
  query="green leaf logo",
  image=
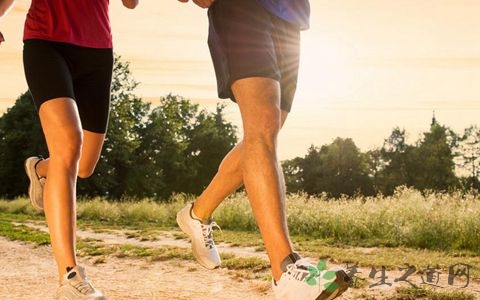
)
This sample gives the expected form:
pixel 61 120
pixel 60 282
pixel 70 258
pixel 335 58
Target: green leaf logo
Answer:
pixel 322 265
pixel 329 275
pixel 312 278
pixel 315 273
pixel 331 286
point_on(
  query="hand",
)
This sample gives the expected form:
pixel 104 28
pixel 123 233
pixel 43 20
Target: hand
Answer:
pixel 130 3
pixel 201 3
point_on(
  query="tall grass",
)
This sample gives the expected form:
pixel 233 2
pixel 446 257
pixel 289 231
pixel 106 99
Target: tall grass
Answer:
pixel 409 218
pixel 133 212
pixel 434 221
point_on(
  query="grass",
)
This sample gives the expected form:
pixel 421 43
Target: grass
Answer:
pixel 435 221
pixel 408 227
pixel 445 222
pixel 12 228
pixel 415 223
pixel 23 233
pixel 430 294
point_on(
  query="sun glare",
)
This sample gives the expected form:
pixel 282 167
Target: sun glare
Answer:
pixel 327 69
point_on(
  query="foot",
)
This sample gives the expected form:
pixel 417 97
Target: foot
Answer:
pixel 75 286
pixel 35 190
pixel 297 282
pixel 201 234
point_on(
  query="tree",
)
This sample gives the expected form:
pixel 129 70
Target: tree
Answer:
pixel 338 168
pixel 292 170
pixel 393 162
pixel 182 147
pixel 467 156
pixel 375 165
pixel 210 140
pixel 20 137
pixel 431 163
pixel 113 176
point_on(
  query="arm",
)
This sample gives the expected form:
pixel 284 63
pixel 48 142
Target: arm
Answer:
pixel 130 3
pixel 201 3
pixel 5 5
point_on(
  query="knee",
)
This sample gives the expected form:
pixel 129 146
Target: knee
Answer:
pixel 262 135
pixel 68 153
pixel 72 151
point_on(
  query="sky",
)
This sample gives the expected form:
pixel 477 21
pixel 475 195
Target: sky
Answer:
pixel 366 66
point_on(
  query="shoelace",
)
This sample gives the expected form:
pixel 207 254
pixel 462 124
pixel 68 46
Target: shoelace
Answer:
pixel 299 270
pixel 84 287
pixel 207 232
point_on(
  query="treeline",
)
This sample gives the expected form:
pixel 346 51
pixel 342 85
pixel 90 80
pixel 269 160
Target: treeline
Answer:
pixel 176 148
pixel 441 161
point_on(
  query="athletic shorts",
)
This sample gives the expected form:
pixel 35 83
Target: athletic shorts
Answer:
pixel 55 70
pixel 246 40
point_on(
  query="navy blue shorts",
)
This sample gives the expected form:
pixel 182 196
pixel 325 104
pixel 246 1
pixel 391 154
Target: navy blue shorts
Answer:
pixel 245 40
pixel 54 70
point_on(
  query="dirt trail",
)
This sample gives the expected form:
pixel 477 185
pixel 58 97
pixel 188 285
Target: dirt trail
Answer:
pixel 29 273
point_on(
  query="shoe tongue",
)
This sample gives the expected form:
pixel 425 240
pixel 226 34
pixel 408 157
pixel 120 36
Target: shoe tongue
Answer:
pixel 290 259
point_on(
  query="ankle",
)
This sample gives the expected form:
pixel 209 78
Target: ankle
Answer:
pixel 39 168
pixel 279 269
pixel 288 260
pixel 198 213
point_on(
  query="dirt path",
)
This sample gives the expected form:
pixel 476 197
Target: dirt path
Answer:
pixel 29 273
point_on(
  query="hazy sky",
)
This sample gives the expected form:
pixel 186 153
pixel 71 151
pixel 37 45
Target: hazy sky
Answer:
pixel 367 66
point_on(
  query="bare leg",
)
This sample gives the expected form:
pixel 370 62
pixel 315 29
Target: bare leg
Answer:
pixel 259 102
pixel 233 170
pixel 91 150
pixel 225 182
pixel 61 126
pixel 64 136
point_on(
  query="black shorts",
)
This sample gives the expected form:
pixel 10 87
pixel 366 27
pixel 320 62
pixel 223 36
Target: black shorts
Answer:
pixel 55 70
pixel 245 40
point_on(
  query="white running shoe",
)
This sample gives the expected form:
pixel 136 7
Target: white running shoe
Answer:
pixel 201 234
pixel 293 283
pixel 35 189
pixel 75 286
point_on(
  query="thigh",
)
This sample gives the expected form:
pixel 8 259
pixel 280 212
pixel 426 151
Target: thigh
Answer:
pixel 47 71
pixel 240 43
pixel 61 127
pixel 92 79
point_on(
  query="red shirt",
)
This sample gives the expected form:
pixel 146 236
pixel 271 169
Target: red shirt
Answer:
pixel 79 22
